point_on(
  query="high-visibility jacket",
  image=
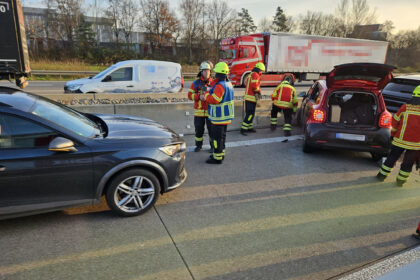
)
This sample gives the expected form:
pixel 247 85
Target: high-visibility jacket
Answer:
pixel 406 127
pixel 200 107
pixel 252 86
pixel 221 103
pixel 284 96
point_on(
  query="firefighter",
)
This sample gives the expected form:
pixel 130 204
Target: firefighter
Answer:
pixel 220 108
pixel 284 99
pixel 199 87
pixel 252 94
pixel 405 135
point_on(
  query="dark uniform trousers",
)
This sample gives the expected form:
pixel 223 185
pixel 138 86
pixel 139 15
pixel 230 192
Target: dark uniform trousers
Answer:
pixel 410 157
pixel 218 136
pixel 249 115
pixel 287 112
pixel 199 124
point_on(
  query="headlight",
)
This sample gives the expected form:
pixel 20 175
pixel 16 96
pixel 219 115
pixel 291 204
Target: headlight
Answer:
pixel 74 87
pixel 172 149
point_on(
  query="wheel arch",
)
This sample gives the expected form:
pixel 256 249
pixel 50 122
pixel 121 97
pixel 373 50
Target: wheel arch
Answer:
pixel 153 167
pixel 243 77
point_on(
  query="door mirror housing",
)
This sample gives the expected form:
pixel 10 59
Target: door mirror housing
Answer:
pixel 107 79
pixel 61 144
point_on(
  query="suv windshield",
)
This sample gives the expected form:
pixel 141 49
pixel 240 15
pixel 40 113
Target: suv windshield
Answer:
pixel 227 54
pixel 65 117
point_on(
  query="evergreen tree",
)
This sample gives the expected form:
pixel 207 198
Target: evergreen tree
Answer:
pixel 246 23
pixel 86 41
pixel 279 22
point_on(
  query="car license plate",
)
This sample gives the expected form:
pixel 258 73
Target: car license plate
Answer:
pixel 354 137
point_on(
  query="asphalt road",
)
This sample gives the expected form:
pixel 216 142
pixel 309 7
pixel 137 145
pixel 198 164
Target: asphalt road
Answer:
pixel 57 87
pixel 268 212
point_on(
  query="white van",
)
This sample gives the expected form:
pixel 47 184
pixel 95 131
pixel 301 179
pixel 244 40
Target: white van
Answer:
pixel 135 76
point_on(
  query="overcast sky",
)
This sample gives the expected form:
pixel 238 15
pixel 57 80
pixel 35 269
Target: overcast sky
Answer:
pixel 404 13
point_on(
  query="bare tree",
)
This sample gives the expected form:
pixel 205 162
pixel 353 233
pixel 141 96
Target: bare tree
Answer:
pixel 357 12
pixel 113 13
pixel 128 19
pixel 221 20
pixel 66 18
pixel 264 25
pixel 192 12
pixel 158 21
pixel 316 23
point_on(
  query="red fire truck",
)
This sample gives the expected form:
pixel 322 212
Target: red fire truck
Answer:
pixel 294 56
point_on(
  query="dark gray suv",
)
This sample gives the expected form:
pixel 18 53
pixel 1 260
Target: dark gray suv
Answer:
pixel 53 157
pixel 399 91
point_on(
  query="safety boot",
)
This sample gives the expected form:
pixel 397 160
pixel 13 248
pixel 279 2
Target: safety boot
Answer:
pixel 400 183
pixel 287 133
pixel 197 149
pixel 381 177
pixel 243 132
pixel 211 160
pixel 273 127
pixel 252 130
pixel 417 234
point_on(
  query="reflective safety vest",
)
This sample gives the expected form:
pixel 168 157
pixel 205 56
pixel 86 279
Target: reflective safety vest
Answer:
pixel 284 96
pixel 200 107
pixel 252 86
pixel 222 113
pixel 406 127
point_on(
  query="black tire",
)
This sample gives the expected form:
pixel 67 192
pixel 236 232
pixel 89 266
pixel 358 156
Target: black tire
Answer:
pixel 306 148
pixel 299 117
pixel 244 80
pixel 138 198
pixel 376 156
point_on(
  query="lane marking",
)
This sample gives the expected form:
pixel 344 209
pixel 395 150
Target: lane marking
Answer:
pixel 253 142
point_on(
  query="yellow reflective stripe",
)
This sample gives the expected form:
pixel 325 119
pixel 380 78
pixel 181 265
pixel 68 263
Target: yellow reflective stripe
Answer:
pixel 215 144
pixel 191 90
pixel 404 173
pixel 401 178
pixel 386 167
pixel 218 156
pixel 207 94
pixel 283 104
pixel 250 117
pixel 250 98
pixel 394 129
pixel 217 98
pixel 383 172
pixel 254 81
pixel 228 104
pixel 397 118
pixel 406 145
pixel 200 113
pixel 198 139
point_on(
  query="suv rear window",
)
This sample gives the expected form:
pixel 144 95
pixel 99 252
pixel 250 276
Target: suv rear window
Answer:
pixel 403 86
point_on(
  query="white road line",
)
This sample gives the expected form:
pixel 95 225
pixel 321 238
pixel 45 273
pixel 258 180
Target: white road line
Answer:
pixel 254 142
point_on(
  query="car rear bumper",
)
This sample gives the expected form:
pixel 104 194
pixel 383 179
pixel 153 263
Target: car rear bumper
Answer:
pixel 324 136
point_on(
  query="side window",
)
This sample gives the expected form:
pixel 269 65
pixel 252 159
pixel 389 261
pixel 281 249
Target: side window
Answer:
pixel 19 133
pixel 252 51
pixel 122 74
pixel 243 53
pixel 315 92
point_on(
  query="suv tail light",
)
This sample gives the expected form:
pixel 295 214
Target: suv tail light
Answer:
pixel 385 120
pixel 318 116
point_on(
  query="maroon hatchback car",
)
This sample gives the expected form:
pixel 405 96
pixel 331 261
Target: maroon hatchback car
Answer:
pixel 347 110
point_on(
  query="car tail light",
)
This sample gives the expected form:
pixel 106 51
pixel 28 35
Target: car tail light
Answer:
pixel 182 82
pixel 318 116
pixel 385 120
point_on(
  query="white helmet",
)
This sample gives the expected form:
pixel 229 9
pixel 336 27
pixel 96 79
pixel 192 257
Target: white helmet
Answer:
pixel 205 66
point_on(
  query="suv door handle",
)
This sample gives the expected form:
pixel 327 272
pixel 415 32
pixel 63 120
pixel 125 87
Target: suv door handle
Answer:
pixel 2 168
pixel 130 86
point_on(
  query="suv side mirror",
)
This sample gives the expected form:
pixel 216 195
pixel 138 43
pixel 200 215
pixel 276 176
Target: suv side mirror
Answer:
pixel 107 79
pixel 302 94
pixel 61 144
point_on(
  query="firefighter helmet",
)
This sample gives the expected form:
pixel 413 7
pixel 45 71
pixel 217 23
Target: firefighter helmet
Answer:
pixel 416 92
pixel 260 66
pixel 221 68
pixel 205 66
